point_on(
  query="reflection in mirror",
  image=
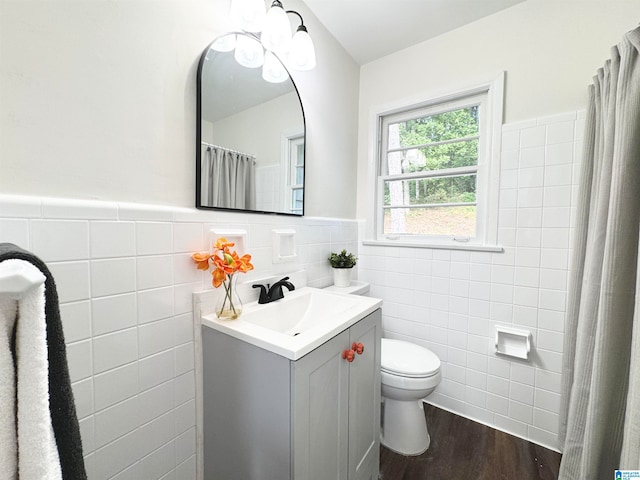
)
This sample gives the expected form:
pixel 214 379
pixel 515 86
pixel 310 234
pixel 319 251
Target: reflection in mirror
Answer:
pixel 250 132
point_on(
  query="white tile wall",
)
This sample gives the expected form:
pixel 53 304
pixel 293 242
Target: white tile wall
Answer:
pixel 125 279
pixel 463 295
pixel 268 188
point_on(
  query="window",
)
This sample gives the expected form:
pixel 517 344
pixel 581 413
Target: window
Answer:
pixel 436 183
pixel 295 174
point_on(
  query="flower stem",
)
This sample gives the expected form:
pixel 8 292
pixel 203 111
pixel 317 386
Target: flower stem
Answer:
pixel 228 291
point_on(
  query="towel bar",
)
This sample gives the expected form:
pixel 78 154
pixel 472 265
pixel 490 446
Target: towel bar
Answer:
pixel 18 276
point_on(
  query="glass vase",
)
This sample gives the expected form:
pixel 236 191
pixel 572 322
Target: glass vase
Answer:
pixel 229 305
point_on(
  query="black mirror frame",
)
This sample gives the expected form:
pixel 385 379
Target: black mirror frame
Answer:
pixel 199 142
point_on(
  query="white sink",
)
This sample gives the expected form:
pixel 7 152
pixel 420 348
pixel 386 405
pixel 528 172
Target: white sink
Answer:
pixel 300 312
pixel 293 326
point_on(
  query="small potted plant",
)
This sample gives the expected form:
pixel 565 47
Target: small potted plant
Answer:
pixel 342 263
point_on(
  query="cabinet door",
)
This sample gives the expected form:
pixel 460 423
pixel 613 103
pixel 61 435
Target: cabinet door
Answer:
pixel 364 400
pixel 320 401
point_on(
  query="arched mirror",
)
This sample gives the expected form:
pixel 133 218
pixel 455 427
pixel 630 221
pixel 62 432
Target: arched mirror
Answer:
pixel 250 132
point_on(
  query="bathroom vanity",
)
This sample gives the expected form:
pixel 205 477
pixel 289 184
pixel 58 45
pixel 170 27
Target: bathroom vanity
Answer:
pixel 315 415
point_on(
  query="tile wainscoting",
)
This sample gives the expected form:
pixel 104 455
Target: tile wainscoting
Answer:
pixel 450 301
pixel 125 281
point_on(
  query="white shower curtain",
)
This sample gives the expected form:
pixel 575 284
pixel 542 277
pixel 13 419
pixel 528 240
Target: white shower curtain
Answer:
pixel 600 414
pixel 228 179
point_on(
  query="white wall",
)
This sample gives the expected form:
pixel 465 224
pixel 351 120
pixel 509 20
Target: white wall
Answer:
pixel 98 102
pixel 244 131
pixel 329 94
pixel 451 301
pixel 550 50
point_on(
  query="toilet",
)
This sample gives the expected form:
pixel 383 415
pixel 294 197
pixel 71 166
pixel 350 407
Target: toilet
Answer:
pixel 409 373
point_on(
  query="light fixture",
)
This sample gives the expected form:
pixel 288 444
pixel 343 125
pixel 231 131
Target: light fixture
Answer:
pixel 248 52
pixel 248 14
pixel 226 43
pixel 296 52
pixel 303 54
pixel 276 34
pixel 272 70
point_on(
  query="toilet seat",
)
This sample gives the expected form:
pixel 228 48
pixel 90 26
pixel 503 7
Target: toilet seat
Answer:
pixel 408 359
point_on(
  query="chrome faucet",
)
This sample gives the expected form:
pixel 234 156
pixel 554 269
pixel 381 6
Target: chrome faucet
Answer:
pixel 268 295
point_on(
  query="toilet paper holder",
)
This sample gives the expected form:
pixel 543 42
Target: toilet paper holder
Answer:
pixel 513 342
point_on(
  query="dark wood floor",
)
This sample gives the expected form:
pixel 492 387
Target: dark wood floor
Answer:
pixel 462 449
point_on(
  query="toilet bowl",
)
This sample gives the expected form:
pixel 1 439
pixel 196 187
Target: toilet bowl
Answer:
pixel 409 373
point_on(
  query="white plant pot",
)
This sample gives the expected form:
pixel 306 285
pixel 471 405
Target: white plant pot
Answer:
pixel 342 277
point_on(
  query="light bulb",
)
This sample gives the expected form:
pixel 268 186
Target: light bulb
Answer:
pixel 248 14
pixel 303 53
pixel 225 43
pixel 276 34
pixel 272 70
pixel 248 52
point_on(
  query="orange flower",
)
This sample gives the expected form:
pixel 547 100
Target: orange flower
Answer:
pixel 218 277
pixel 224 261
pixel 223 244
pixel 202 259
pixel 245 263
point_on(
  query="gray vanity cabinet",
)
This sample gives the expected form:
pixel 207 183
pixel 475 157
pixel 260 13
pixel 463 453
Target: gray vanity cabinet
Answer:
pixel 336 407
pixel 270 418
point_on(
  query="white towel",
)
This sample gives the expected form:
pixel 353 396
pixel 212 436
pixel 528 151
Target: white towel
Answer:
pixel 8 432
pixel 28 449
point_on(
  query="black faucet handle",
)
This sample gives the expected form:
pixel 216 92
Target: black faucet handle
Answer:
pixel 264 297
pixel 290 286
pixel 283 282
pixel 276 292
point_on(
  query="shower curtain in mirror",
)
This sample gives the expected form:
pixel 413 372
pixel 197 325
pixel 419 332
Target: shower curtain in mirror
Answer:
pixel 600 414
pixel 228 179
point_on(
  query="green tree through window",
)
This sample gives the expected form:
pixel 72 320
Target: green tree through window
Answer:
pixel 431 171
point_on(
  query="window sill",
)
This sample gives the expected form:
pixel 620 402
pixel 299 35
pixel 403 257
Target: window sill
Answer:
pixel 436 246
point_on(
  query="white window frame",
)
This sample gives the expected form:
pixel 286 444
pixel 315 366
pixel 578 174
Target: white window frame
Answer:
pixel 489 97
pixel 290 144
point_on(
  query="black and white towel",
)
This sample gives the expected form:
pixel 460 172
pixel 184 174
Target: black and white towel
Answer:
pixel 39 432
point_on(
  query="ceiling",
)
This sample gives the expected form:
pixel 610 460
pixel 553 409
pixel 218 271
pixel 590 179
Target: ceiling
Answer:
pixel 371 29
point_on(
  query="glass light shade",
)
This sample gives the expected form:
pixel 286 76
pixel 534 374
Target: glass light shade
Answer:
pixel 303 54
pixel 272 70
pixel 248 14
pixel 276 34
pixel 224 44
pixel 248 52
